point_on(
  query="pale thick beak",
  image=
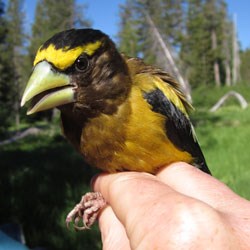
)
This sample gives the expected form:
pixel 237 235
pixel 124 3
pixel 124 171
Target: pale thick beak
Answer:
pixel 49 89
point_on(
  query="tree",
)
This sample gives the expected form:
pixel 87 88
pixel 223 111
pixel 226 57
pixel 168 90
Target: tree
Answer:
pixel 196 32
pixel 52 17
pixel 15 39
pixel 206 48
pixel 196 45
pixel 11 42
pixel 152 30
pixel 128 34
pixel 5 76
pixel 211 16
pixel 135 35
pixel 167 17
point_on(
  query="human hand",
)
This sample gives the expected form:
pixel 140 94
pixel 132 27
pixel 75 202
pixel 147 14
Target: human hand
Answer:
pixel 179 208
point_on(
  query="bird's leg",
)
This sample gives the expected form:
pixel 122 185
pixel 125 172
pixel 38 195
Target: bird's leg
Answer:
pixel 86 211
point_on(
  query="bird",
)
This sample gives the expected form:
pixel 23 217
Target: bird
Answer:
pixel 118 112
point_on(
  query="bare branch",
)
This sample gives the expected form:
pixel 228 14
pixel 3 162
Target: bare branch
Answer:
pixel 242 101
pixel 169 57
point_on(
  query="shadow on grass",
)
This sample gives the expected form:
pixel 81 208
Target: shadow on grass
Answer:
pixel 42 178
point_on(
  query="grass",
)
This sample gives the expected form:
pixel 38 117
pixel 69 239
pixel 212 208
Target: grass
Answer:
pixel 226 147
pixel 225 139
pixel 42 177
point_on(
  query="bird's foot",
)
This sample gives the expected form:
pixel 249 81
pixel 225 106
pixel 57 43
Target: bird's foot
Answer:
pixel 86 211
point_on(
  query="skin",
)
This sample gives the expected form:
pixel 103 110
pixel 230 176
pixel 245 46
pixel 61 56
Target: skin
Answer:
pixel 168 212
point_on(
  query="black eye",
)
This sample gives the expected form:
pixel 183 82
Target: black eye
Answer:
pixel 82 63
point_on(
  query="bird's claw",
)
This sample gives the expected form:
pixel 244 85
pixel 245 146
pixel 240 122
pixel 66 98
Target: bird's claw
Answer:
pixel 86 211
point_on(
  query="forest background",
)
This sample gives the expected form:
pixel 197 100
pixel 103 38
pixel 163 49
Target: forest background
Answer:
pixel 194 40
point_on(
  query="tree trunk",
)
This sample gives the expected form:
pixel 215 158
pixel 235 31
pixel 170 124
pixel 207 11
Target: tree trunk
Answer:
pixel 185 86
pixel 236 58
pixel 216 64
pixel 228 73
pixel 227 53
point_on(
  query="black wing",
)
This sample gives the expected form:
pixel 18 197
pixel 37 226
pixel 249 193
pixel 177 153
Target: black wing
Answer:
pixel 178 127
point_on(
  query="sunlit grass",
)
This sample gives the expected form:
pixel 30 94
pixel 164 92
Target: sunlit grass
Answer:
pixel 225 140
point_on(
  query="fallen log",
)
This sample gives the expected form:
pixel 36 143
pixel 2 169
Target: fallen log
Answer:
pixel 242 101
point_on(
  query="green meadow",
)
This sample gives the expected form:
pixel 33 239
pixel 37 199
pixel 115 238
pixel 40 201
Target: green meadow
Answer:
pixel 225 137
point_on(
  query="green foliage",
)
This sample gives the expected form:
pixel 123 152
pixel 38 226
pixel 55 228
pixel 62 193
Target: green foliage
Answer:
pixel 52 17
pixel 6 76
pixel 194 53
pixel 15 17
pixel 135 34
pixel 205 20
pixel 42 178
pixel 198 31
pixel 11 58
pixel 128 34
pixel 16 39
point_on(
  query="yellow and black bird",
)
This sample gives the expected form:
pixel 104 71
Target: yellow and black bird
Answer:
pixel 118 112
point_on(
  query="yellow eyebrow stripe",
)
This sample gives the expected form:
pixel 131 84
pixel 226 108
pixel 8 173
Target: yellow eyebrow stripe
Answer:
pixel 65 57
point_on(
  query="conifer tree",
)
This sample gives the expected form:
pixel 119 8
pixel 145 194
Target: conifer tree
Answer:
pixel 52 17
pixel 167 17
pixel 15 39
pixel 197 31
pixel 5 75
pixel 129 30
pixel 206 46
pixel 196 44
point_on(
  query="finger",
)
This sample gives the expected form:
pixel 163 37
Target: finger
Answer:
pixel 191 181
pixel 112 231
pixel 117 189
pixel 150 210
pixel 141 202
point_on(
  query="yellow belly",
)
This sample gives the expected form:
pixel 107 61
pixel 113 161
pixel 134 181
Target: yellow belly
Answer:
pixel 147 157
pixel 133 139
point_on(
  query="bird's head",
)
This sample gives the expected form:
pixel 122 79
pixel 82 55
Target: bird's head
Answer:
pixel 78 71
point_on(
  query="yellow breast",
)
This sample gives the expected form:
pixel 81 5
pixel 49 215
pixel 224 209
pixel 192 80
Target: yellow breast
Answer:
pixel 132 139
